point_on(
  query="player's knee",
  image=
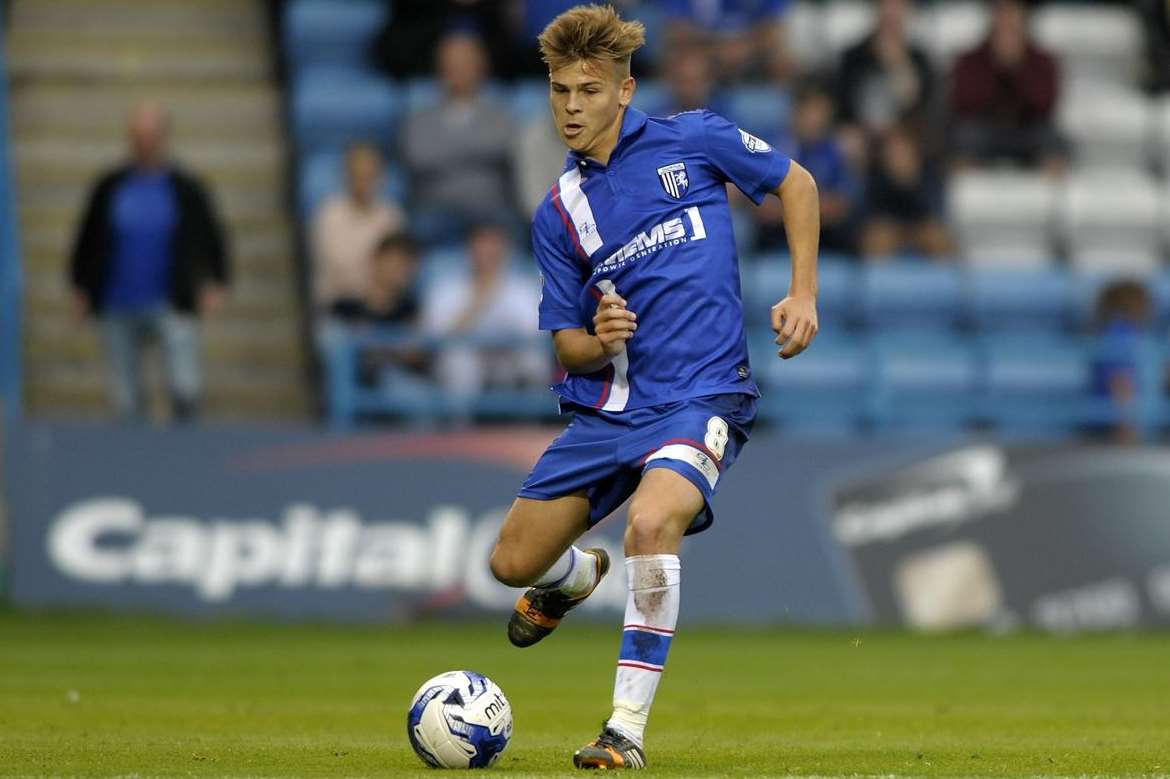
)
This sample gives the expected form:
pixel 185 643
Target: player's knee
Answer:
pixel 510 570
pixel 650 530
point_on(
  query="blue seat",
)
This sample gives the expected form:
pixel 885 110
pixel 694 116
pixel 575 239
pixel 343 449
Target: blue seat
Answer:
pixel 1160 298
pixel 323 173
pixel 326 32
pixel 1040 384
pixel 651 96
pixel 529 101
pixel 333 107
pixel 765 278
pixel 823 390
pixel 1021 300
pixel 925 381
pixel 761 110
pixel 906 293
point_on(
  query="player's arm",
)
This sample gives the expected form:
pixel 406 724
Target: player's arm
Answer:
pixel 794 319
pixel 580 352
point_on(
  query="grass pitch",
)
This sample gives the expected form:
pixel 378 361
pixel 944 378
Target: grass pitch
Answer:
pixel 103 696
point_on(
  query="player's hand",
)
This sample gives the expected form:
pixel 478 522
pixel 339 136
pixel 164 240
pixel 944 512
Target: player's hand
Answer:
pixel 614 324
pixel 794 320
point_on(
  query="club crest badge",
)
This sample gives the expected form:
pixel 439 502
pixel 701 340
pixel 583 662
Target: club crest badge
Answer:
pixel 674 179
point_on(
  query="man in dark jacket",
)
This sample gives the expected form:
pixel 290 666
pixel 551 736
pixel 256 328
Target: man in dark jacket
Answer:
pixel 1003 97
pixel 150 256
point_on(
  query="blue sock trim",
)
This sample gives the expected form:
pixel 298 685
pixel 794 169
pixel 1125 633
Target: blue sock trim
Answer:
pixel 642 646
pixel 563 579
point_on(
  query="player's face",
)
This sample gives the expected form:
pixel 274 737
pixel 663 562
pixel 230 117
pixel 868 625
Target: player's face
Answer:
pixel 587 100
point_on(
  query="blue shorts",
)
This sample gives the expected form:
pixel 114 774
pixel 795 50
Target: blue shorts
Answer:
pixel 606 453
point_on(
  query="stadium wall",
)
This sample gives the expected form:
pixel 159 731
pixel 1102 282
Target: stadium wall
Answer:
pixel 391 528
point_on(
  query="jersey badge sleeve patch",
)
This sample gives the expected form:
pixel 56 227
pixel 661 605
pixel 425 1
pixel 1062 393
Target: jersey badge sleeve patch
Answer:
pixel 752 143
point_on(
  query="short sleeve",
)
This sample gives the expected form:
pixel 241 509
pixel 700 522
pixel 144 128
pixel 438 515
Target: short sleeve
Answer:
pixel 741 158
pixel 561 276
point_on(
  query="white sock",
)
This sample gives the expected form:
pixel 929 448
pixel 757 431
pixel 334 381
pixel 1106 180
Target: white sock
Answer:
pixel 573 573
pixel 651 614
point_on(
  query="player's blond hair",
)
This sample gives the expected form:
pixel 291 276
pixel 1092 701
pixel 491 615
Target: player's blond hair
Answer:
pixel 591 33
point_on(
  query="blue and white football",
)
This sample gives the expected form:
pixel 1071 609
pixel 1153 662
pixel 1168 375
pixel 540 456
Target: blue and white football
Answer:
pixel 459 719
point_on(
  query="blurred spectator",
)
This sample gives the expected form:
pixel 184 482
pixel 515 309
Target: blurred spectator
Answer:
pixel 903 201
pixel 744 37
pixel 1123 318
pixel 1003 95
pixel 1156 23
pixel 691 84
pixel 149 257
pixel 814 144
pixel 405 48
pixel 538 159
pixel 493 305
pixel 392 301
pixel 885 79
pixel 346 228
pixel 458 151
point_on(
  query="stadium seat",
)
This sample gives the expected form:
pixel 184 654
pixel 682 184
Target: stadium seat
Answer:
pixel 1160 132
pixel 651 96
pixel 824 390
pixel 333 107
pixel 764 281
pixel 846 22
pixel 910 293
pixel 1039 384
pixel 760 110
pixel 1093 39
pixel 1003 217
pixel 804 27
pixel 529 100
pixel 1111 221
pixel 325 32
pixel 1109 124
pixel 953 28
pixel 323 173
pixel 925 381
pixel 1025 300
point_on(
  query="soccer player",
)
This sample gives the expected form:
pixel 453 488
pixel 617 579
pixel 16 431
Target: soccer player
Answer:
pixel 641 293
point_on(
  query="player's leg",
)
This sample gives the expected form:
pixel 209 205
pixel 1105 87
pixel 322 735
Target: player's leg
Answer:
pixel 536 536
pixel 683 454
pixel 663 507
pixel 535 548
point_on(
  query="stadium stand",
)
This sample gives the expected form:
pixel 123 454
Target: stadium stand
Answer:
pixel 76 68
pixel 905 344
pixel 992 334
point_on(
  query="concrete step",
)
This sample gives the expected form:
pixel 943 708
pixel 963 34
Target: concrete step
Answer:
pixel 67 398
pixel 67 111
pixel 251 297
pixel 218 107
pixel 223 17
pixel 264 248
pixel 229 354
pixel 246 156
pixel 33 218
pixel 244 200
pixel 35 54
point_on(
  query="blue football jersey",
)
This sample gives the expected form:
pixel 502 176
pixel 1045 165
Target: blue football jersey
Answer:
pixel 654 226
